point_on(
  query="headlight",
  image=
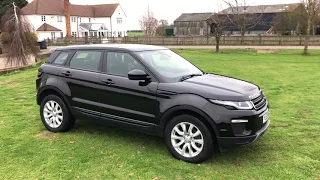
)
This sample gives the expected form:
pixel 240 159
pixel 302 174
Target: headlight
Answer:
pixel 246 105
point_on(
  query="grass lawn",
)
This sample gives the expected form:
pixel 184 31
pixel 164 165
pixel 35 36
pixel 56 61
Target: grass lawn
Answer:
pixel 289 150
pixel 132 34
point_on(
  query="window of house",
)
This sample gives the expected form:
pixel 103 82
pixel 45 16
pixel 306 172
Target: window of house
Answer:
pixel 89 20
pixel 120 64
pixel 80 19
pixel 119 20
pixel 74 34
pixel 86 60
pixel 43 18
pixel 74 19
pixel 59 18
pixel 61 34
pixel 61 59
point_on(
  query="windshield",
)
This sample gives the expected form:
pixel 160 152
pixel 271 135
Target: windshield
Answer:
pixel 168 65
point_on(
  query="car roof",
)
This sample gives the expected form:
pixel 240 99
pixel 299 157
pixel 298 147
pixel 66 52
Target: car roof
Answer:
pixel 116 47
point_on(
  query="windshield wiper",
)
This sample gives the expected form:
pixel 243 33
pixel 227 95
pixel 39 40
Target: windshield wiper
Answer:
pixel 189 76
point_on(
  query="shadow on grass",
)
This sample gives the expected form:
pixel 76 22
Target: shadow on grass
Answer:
pixel 253 153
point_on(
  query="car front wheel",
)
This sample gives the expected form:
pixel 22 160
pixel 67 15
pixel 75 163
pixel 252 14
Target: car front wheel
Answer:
pixel 188 139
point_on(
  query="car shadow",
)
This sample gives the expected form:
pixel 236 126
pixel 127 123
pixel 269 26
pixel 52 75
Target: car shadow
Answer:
pixel 236 156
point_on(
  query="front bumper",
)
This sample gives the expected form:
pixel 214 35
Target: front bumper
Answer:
pixel 239 133
pixel 230 142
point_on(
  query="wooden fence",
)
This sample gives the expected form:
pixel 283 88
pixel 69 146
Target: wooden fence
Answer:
pixel 198 40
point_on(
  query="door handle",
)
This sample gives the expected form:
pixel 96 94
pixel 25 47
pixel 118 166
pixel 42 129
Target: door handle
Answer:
pixel 107 81
pixel 66 73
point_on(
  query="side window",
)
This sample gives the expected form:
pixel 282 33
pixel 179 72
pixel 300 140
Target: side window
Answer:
pixel 86 60
pixel 53 56
pixel 121 64
pixel 61 59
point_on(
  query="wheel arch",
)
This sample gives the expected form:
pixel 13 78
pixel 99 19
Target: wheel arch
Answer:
pixel 51 90
pixel 190 110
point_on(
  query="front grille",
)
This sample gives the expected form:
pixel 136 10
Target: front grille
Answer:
pixel 259 102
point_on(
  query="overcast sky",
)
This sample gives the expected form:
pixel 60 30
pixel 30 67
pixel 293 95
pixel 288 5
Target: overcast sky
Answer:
pixel 170 9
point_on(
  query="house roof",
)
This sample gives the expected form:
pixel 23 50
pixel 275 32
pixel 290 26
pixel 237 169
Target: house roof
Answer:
pixel 188 17
pixel 93 26
pixel 47 27
pixel 277 8
pixel 56 7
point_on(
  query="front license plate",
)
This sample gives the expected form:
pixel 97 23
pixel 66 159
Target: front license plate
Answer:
pixel 266 117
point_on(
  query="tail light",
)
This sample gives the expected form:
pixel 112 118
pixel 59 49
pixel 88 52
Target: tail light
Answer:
pixel 39 74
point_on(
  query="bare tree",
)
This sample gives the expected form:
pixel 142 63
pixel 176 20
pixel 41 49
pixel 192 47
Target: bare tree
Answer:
pixel 243 16
pixel 18 36
pixel 163 24
pixel 313 10
pixel 218 23
pixel 149 23
pixel 67 14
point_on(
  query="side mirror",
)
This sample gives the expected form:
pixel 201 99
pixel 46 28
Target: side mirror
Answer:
pixel 139 75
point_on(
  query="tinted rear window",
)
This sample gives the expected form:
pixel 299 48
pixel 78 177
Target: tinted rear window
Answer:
pixel 62 58
pixel 53 56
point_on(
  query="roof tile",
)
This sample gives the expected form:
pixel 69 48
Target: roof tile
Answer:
pixel 56 7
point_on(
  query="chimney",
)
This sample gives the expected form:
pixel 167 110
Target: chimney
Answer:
pixel 67 14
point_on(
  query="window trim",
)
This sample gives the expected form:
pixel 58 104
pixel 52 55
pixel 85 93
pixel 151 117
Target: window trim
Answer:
pixel 73 18
pixel 77 50
pixel 105 64
pixel 43 18
pixel 119 20
pixel 59 18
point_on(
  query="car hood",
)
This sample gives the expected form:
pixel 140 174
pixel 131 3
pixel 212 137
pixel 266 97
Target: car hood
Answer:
pixel 218 87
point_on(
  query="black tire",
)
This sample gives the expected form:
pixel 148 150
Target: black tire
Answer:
pixel 207 148
pixel 68 120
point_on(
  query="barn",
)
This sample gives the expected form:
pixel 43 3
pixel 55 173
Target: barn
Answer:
pixel 284 19
pixel 192 24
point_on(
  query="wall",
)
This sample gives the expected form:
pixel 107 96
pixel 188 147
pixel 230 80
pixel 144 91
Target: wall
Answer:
pixel 116 28
pixel 198 28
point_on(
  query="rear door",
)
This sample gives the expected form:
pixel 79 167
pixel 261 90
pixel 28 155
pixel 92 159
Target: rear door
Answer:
pixel 130 102
pixel 81 77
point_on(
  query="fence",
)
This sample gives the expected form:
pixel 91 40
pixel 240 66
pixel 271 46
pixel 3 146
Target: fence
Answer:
pixel 198 40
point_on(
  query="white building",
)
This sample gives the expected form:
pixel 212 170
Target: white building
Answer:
pixel 48 19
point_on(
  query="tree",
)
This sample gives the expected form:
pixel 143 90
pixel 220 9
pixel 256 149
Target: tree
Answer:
pixel 218 23
pixel 18 36
pixel 289 20
pixel 243 16
pixel 148 23
pixel 67 14
pixel 163 24
pixel 312 8
pixel 6 4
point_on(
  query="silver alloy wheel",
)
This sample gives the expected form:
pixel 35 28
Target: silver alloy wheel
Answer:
pixel 53 114
pixel 187 139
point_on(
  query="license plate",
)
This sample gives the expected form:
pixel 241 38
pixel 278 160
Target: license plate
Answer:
pixel 266 117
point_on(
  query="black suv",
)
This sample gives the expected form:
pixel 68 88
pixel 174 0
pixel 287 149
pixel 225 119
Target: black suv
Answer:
pixel 153 90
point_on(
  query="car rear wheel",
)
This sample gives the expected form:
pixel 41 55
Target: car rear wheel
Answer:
pixel 188 139
pixel 55 115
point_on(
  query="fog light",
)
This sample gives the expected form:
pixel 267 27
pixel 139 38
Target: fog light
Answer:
pixel 239 121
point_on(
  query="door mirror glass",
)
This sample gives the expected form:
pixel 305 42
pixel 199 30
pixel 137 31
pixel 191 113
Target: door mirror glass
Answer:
pixel 138 74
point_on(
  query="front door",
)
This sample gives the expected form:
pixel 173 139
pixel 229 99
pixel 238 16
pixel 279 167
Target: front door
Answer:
pixel 130 102
pixel 81 77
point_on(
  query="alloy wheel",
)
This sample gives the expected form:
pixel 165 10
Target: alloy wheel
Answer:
pixel 53 114
pixel 187 139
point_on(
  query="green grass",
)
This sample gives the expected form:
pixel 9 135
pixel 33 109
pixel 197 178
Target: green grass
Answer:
pixel 289 150
pixel 132 34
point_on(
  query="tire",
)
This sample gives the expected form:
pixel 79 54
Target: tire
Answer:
pixel 57 119
pixel 195 152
